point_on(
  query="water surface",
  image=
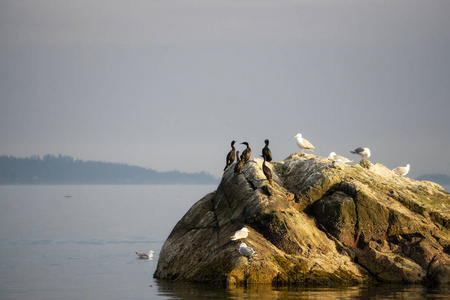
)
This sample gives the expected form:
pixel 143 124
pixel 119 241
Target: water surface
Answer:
pixel 78 242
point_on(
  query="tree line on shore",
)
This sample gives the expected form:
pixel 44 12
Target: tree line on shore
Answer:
pixel 52 169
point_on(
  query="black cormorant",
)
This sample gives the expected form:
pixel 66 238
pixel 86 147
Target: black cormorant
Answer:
pixel 267 154
pixel 239 164
pixel 246 153
pixel 230 155
pixel 267 171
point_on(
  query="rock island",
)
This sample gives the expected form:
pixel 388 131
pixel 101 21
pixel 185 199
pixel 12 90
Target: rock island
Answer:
pixel 315 225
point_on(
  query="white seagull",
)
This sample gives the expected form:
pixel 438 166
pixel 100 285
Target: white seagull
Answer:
pixel 338 164
pixel 401 171
pixel 148 256
pixel 246 250
pixel 336 157
pixel 240 234
pixel 304 143
pixel 364 152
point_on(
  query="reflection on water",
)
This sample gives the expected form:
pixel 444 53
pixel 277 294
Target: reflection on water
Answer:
pixel 181 290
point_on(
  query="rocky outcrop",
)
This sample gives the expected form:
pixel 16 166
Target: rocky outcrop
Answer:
pixel 316 225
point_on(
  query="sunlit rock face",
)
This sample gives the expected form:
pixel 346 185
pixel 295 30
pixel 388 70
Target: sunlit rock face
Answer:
pixel 318 224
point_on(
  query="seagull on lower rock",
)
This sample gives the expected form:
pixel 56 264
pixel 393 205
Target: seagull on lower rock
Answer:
pixel 246 250
pixel 240 234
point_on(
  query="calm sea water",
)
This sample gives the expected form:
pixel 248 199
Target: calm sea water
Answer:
pixel 78 242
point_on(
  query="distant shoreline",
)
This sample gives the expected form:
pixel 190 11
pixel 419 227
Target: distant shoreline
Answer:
pixel 65 170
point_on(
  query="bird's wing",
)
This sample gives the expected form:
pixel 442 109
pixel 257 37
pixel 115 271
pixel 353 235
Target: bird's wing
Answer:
pixel 359 150
pixel 399 170
pixel 244 251
pixel 307 144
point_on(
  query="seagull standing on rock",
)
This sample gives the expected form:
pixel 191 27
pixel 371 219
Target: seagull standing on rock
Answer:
pixel 363 151
pixel 336 157
pixel 401 171
pixel 240 234
pixel 304 144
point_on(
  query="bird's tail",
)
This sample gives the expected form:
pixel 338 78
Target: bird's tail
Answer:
pixel 354 152
pixel 233 238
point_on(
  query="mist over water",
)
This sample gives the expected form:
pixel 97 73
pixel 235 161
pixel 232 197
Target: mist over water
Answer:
pixel 78 242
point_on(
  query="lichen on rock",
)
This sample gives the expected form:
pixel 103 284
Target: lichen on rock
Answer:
pixel 316 225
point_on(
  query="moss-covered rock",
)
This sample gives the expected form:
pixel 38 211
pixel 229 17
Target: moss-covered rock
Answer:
pixel 316 225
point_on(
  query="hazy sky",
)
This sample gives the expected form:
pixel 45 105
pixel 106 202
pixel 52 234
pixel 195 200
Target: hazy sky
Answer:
pixel 168 84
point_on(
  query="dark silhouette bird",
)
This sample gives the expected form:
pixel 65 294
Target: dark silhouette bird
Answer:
pixel 246 153
pixel 239 164
pixel 230 155
pixel 267 154
pixel 267 171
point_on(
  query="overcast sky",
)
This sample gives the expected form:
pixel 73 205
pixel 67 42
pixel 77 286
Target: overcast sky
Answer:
pixel 168 84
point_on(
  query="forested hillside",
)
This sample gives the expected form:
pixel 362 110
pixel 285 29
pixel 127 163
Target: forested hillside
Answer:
pixel 60 169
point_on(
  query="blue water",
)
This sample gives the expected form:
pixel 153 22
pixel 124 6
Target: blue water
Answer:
pixel 78 242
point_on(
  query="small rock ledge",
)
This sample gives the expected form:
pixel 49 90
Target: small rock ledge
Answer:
pixel 317 225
